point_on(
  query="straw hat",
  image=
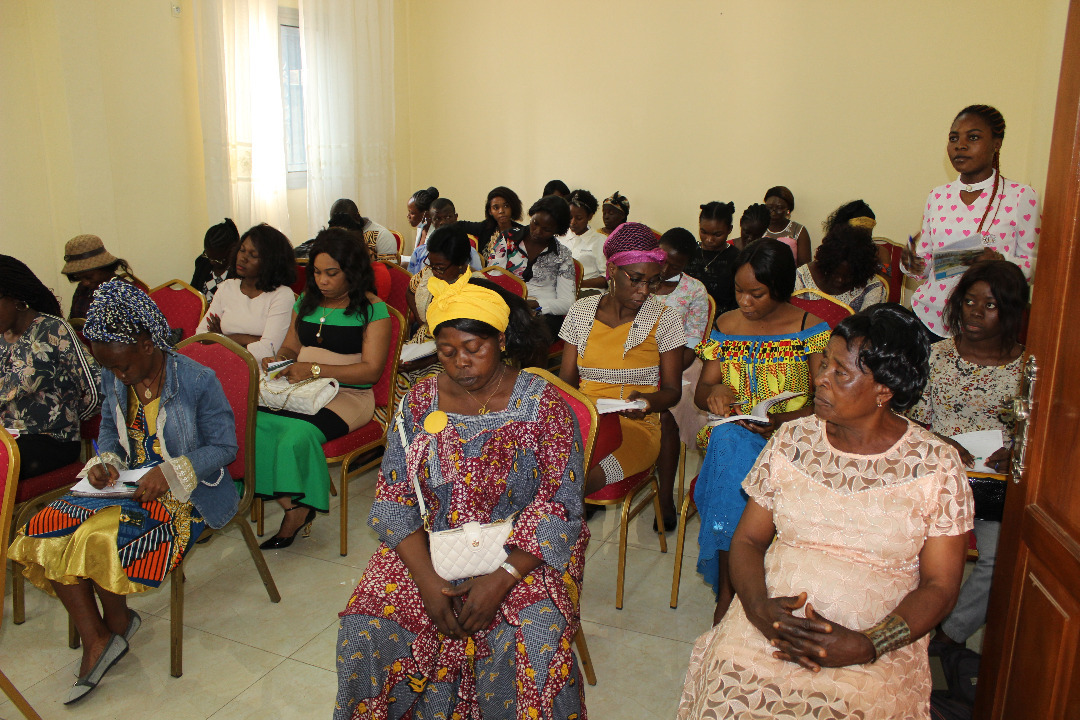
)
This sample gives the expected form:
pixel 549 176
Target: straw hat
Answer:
pixel 85 252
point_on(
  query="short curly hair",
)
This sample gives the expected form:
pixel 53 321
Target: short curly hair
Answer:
pixel 893 346
pixel 853 245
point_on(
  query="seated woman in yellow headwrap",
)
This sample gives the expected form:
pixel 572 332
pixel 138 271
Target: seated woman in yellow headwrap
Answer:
pixel 485 442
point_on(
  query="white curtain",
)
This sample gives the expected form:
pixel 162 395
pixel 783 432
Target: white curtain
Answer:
pixel 240 104
pixel 348 66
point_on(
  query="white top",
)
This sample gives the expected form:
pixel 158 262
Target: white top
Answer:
pixel 385 243
pixel 1012 228
pixel 267 316
pixel 588 249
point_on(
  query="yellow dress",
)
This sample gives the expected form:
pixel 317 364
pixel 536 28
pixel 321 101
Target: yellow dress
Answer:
pixel 615 361
pixel 80 537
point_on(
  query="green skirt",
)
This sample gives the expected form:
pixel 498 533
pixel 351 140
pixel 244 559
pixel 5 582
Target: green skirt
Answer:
pixel 289 461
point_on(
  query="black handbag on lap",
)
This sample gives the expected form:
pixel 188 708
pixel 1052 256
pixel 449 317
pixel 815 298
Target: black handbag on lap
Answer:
pixel 989 495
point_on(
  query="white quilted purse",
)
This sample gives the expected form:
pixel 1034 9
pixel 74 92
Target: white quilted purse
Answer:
pixel 306 397
pixel 463 552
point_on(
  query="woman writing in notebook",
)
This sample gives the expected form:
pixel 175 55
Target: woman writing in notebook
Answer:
pixel 162 413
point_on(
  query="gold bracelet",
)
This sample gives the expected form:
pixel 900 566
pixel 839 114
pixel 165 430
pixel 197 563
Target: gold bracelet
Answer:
pixel 512 570
pixel 889 634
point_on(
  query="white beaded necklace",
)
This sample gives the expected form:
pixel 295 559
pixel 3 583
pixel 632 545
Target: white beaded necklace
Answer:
pixel 979 186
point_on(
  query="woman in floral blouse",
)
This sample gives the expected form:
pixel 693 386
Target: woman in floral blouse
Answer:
pixel 973 378
pixel 48 382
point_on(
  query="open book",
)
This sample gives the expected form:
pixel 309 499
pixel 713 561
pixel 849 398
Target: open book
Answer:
pixel 758 413
pixel 415 351
pixel 123 487
pixel 610 405
pixel 955 258
pixel 982 444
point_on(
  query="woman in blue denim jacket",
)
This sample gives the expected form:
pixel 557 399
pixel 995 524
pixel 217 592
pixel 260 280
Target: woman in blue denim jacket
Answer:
pixel 164 416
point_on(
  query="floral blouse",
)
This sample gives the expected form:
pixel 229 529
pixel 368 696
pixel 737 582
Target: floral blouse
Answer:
pixel 551 281
pixel 48 382
pixel 961 396
pixel 691 301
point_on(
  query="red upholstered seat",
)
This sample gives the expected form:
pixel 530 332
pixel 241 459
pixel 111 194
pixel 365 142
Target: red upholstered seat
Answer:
pixel 506 280
pixel 618 490
pixel 357 438
pixel 608 438
pixel 398 297
pixel 182 305
pixel 232 373
pixel 62 477
pixel 824 306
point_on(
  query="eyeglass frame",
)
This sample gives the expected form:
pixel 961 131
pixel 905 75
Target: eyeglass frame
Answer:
pixel 651 285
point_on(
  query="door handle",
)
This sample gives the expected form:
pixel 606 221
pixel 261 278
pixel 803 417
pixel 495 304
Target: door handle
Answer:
pixel 1021 408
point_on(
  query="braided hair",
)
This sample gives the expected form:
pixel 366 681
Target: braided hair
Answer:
pixel 996 121
pixel 722 212
pixel 19 282
pixel 424 198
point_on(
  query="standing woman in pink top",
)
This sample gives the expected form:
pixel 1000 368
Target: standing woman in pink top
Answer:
pixel 1002 215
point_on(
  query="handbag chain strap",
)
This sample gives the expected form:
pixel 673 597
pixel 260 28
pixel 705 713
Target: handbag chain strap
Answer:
pixel 415 480
pixel 289 390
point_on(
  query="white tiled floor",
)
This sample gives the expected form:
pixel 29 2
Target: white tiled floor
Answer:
pixel 245 657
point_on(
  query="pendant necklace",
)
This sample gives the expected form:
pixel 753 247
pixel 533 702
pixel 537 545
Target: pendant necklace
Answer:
pixel 483 408
pixel 146 390
pixel 326 314
pixel 979 186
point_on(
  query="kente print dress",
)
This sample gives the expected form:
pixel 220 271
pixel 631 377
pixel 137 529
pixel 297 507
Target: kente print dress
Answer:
pixel 615 361
pixel 124 546
pixel 849 530
pixel 527 460
pixel 1011 228
pixel 756 367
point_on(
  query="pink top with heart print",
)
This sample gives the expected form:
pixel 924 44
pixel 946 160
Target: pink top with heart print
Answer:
pixel 1011 228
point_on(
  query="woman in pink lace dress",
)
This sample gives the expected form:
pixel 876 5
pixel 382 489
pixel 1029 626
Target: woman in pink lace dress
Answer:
pixel 870 514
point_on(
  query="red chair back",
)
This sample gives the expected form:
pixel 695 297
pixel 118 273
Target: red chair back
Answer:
pixel 894 278
pixel 383 390
pixel 301 279
pixel 584 411
pixel 400 241
pixel 823 305
pixel 9 481
pixel 506 280
pixel 239 376
pixel 399 288
pixel 182 305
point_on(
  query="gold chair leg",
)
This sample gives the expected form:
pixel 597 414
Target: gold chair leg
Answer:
pixel 682 468
pixel 624 522
pixel 680 543
pixel 17 699
pixel 176 619
pixel 260 509
pixel 18 594
pixel 260 561
pixel 659 514
pixel 583 655
pixel 333 489
pixel 343 508
pixel 73 635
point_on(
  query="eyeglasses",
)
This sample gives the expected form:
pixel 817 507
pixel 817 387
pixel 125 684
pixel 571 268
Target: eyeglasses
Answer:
pixel 437 269
pixel 652 285
pixel 214 261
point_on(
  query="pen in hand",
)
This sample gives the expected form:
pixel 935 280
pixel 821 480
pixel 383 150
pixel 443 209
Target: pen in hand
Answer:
pixel 97 454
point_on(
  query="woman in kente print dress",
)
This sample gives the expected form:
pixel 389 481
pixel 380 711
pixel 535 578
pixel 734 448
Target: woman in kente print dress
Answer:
pixel 764 348
pixel 486 442
pixel 161 411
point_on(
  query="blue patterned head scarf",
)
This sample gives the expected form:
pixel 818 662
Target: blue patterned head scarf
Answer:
pixel 120 312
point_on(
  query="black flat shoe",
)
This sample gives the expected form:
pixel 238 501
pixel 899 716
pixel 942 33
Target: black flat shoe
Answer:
pixel 669 526
pixel 278 542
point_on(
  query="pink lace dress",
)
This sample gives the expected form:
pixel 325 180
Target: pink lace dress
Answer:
pixel 849 532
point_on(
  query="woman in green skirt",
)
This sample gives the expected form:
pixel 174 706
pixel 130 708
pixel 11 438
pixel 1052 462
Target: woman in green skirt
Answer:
pixel 340 329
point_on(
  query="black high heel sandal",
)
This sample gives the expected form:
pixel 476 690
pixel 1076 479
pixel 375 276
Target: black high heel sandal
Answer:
pixel 277 542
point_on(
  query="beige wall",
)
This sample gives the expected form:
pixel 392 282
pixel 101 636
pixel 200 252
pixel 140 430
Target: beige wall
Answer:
pixel 100 129
pixel 679 103
pixel 672 103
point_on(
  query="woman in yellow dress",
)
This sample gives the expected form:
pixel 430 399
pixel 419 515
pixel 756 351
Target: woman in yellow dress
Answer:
pixel 626 345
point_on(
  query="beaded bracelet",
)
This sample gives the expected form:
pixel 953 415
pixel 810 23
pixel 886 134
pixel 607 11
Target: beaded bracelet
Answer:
pixel 889 634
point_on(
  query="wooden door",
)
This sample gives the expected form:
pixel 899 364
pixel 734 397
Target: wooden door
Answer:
pixel 1031 653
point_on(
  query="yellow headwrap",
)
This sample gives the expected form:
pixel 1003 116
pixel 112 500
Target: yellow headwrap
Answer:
pixel 463 300
pixel 863 222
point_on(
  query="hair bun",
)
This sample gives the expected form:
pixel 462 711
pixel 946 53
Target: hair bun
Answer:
pixel 730 206
pixel 433 192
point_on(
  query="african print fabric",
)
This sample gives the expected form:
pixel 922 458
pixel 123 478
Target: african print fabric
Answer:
pixel 526 460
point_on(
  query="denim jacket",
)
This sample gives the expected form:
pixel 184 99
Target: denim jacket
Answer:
pixel 197 432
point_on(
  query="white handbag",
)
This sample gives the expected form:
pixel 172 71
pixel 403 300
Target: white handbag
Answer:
pixel 468 551
pixel 306 397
